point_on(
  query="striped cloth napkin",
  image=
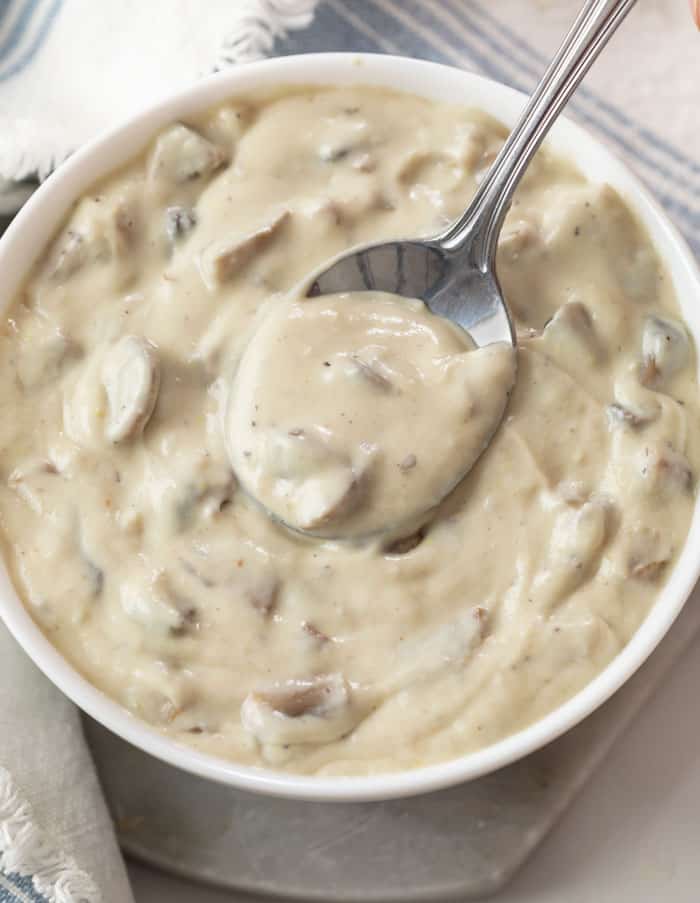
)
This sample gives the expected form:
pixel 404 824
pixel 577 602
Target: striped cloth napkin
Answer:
pixel 69 68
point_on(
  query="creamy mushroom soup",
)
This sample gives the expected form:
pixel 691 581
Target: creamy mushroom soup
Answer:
pixel 169 400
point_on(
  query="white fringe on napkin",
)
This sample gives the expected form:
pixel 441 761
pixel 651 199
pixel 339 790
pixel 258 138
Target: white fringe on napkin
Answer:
pixel 26 850
pixel 79 66
pixel 258 23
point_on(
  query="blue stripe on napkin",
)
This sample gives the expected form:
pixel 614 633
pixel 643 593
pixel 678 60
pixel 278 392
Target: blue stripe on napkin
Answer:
pixel 31 26
pixel 14 889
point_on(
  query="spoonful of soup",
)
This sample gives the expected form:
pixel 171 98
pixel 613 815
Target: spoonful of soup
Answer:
pixel 362 401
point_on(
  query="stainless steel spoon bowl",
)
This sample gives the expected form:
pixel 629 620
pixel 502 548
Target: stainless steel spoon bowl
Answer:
pixel 454 272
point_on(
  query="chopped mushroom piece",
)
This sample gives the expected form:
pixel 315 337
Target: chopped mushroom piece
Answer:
pixel 518 237
pixel 409 462
pixel 330 495
pixel 154 706
pixel 357 155
pixel 319 485
pixel 665 350
pixel 182 155
pixel 437 170
pixel 222 261
pixel 297 454
pixel 157 604
pixel 447 646
pixel 227 125
pixel 621 415
pixel 317 710
pixel 573 492
pixel 579 535
pixel 100 231
pixel 178 222
pixel 405 544
pixel 34 483
pixel 71 256
pixel 330 153
pixel 455 641
pixel 649 551
pixel 572 331
pixel 664 468
pixel 158 693
pixel 577 539
pixel 483 619
pixel 131 377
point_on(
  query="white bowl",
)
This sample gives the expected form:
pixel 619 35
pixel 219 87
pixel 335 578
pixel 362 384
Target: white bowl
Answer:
pixel 36 222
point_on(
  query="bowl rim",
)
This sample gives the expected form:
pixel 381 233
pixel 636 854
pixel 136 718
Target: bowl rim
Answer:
pixel 26 237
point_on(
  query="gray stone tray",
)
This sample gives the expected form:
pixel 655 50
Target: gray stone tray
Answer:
pixel 459 844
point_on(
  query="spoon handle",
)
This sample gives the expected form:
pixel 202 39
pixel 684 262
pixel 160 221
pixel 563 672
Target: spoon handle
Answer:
pixel 476 232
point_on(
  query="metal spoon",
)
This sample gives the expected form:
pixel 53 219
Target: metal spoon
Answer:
pixel 454 272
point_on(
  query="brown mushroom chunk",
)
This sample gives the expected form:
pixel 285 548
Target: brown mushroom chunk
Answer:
pixel 315 710
pixel 317 696
pixel 483 619
pixel 405 544
pixel 183 155
pixel 666 469
pixel 131 378
pixel 665 351
pixel 222 261
pixel 649 550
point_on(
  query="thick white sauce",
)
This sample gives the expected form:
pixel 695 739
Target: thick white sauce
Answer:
pixel 131 360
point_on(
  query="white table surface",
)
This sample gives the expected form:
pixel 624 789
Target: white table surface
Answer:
pixel 631 836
